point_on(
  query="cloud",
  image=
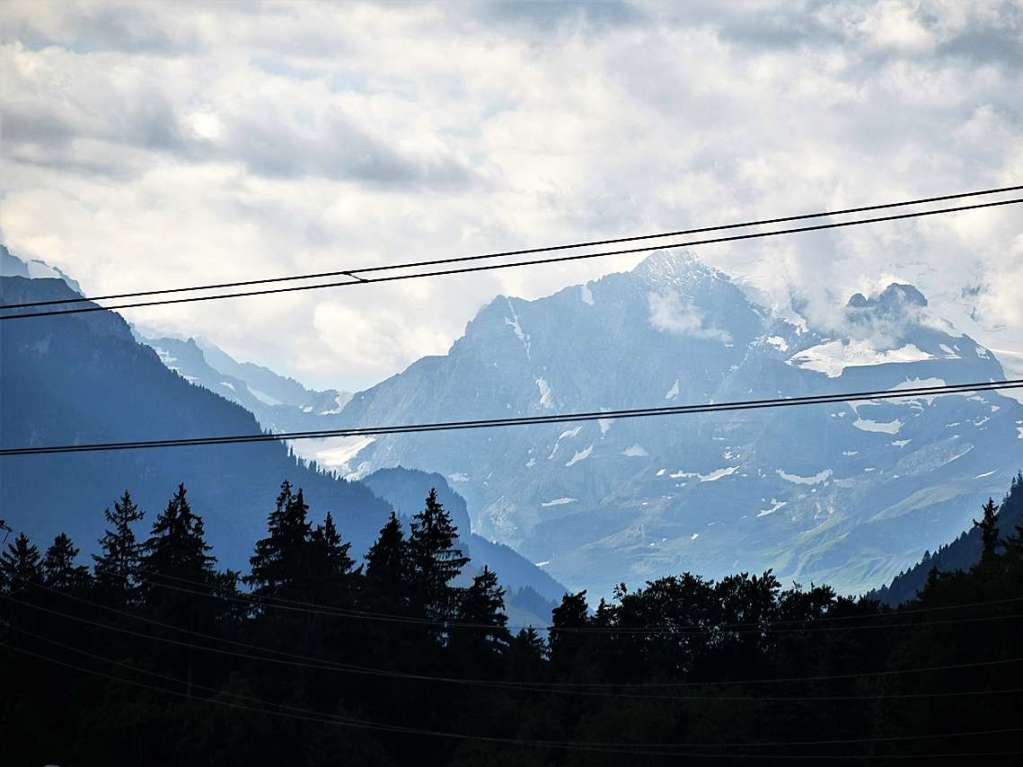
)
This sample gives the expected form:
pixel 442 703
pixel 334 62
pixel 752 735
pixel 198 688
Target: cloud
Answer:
pixel 195 142
pixel 672 314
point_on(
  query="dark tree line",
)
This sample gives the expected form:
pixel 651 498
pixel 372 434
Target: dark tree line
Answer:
pixel 154 656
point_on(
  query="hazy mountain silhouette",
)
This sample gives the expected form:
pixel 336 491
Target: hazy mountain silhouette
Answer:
pixel 84 378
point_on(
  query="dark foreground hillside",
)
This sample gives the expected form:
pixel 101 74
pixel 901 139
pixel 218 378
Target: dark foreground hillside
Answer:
pixel 158 657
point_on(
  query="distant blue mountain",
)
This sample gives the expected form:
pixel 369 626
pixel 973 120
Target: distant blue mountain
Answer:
pixel 88 378
pixel 279 403
pixel 12 266
pixel 405 489
pixel 84 378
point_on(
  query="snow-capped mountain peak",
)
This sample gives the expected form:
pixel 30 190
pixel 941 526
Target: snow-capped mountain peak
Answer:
pixel 844 493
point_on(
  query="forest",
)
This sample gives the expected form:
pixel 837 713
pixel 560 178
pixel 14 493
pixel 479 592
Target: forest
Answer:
pixel 152 655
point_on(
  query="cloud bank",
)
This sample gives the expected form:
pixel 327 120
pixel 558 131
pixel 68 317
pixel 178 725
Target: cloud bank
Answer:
pixel 161 145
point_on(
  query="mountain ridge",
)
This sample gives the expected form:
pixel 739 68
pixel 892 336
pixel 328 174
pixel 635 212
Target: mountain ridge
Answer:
pixel 634 498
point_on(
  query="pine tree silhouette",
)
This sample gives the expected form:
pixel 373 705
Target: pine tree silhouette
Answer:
pixel 988 526
pixel 20 565
pixel 59 569
pixel 280 566
pixel 527 655
pixel 330 564
pixel 565 644
pixel 436 560
pixel 482 606
pixel 118 567
pixel 389 567
pixel 176 548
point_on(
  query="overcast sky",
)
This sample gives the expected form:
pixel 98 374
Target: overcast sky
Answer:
pixel 153 145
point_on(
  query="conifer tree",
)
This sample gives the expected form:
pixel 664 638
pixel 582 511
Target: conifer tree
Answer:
pixel 59 569
pixel 565 641
pixel 482 606
pixel 527 654
pixel 389 566
pixel 280 564
pixel 436 560
pixel 20 565
pixel 988 526
pixel 176 554
pixel 330 562
pixel 118 567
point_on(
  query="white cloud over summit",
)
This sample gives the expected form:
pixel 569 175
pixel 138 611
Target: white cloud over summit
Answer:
pixel 163 145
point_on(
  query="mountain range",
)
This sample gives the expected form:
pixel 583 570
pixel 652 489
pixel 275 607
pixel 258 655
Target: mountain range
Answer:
pixel 88 378
pixel 847 494
pixel 278 402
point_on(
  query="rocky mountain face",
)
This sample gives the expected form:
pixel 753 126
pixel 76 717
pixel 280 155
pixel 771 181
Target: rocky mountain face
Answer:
pixel 279 403
pixel 846 494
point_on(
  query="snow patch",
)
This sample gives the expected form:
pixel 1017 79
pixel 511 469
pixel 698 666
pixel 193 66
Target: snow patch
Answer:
pixel 545 393
pixel 586 294
pixel 340 400
pixel 459 476
pixel 638 451
pixel 516 326
pixel 564 435
pixel 816 479
pixel 580 455
pixel 775 505
pixel 558 502
pixel 985 474
pixel 673 391
pixel 833 357
pixel 228 384
pixel 882 427
pixel 339 450
pixel 777 342
pixel 901 442
pixel 712 476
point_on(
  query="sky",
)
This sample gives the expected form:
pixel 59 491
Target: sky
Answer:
pixel 149 145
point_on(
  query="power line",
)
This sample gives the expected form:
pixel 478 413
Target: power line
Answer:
pixel 882 394
pixel 631 749
pixel 681 745
pixel 356 277
pixel 522 252
pixel 596 690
